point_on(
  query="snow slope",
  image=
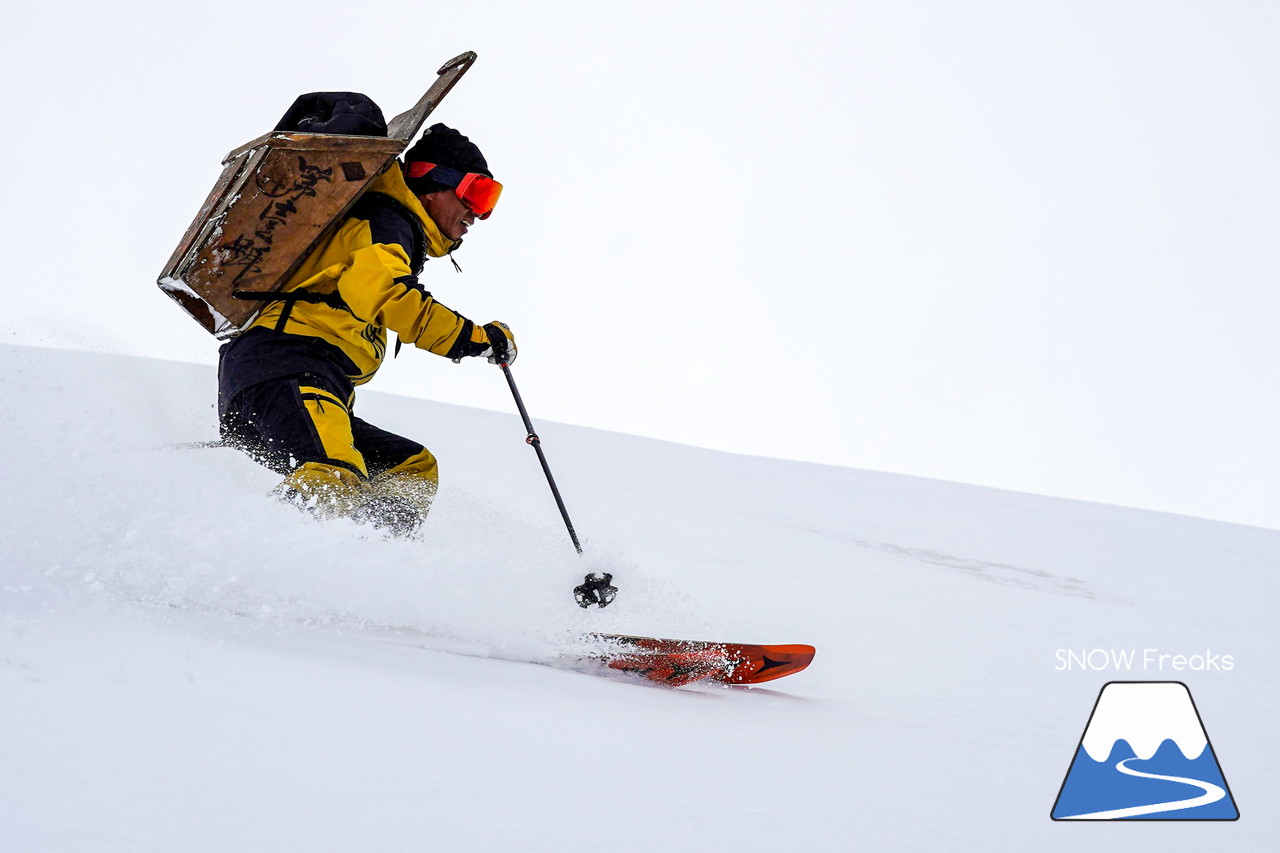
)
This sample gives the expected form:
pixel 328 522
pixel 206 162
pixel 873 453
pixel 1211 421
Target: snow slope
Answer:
pixel 188 666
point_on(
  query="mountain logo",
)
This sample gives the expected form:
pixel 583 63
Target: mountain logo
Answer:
pixel 1145 755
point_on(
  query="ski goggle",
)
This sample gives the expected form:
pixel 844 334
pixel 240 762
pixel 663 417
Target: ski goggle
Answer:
pixel 478 192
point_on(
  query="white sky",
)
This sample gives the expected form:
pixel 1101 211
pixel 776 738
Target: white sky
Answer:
pixel 1028 245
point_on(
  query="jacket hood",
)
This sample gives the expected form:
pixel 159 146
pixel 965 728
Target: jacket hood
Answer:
pixel 391 183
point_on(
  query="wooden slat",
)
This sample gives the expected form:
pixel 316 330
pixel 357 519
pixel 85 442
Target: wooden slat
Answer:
pixel 406 125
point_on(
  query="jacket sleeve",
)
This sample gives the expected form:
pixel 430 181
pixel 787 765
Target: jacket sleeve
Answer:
pixel 380 287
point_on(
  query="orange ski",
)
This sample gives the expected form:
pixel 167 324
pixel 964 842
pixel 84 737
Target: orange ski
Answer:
pixel 679 662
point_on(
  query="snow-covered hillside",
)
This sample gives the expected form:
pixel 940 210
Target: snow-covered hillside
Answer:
pixel 189 666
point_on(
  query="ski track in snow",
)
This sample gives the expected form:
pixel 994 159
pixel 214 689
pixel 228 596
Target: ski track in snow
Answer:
pixel 1004 574
pixel 1000 573
pixel 1212 793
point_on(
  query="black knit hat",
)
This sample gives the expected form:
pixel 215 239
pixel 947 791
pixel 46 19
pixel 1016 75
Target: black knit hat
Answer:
pixel 444 146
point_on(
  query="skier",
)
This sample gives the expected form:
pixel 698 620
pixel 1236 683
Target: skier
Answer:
pixel 286 386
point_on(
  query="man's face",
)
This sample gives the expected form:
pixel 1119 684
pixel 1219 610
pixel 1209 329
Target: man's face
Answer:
pixel 448 212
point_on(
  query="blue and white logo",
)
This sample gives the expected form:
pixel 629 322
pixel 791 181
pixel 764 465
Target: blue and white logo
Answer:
pixel 1145 756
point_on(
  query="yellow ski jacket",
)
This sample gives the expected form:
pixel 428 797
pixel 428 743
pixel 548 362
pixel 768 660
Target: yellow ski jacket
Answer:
pixel 367 274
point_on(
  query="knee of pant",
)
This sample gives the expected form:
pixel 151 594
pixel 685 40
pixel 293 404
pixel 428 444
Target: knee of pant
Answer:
pixel 328 490
pixel 420 466
pixel 413 482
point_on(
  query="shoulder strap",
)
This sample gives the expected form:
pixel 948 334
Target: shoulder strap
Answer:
pixel 372 204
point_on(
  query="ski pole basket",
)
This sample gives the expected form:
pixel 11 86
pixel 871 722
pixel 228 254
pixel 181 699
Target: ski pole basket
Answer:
pixel 277 198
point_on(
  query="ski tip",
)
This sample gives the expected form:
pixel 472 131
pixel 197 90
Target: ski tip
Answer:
pixel 758 664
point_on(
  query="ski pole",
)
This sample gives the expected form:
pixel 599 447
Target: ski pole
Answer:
pixel 595 588
pixel 536 443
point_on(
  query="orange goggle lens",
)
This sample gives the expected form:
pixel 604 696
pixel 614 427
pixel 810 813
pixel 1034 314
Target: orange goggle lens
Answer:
pixel 478 192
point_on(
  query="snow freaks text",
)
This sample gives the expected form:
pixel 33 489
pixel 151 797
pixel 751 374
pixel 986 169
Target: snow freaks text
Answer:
pixel 1143 660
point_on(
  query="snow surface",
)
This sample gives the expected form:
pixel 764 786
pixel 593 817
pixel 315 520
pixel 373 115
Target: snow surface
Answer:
pixel 189 666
